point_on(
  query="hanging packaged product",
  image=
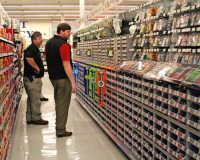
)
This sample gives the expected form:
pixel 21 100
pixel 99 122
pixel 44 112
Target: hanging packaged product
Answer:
pixel 152 56
pixel 151 12
pixel 197 20
pixel 185 21
pixel 142 42
pixel 164 25
pixel 117 24
pixel 198 40
pixel 196 59
pixel 143 29
pixel 141 16
pixel 177 4
pixel 187 58
pixel 86 79
pixel 186 3
pixel 179 40
pixel 185 38
pixel 136 56
pixel 135 43
pixel 193 39
pixel 161 56
pixel 156 26
pixel 146 43
pixel 76 71
pixel 92 82
pixel 177 58
pixel 133 29
pixel 166 41
pixel 150 27
pixel 158 42
pixel 101 87
pixel 163 10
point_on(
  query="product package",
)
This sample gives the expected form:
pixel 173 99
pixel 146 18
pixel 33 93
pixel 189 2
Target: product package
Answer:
pixel 157 71
pixel 178 73
pixel 193 78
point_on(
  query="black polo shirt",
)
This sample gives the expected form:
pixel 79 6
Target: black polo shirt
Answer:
pixel 32 51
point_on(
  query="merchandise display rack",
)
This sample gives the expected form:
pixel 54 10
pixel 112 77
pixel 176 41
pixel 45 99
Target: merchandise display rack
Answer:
pixel 114 51
pixel 185 30
pixel 152 32
pixel 137 115
pixel 150 104
pixel 10 84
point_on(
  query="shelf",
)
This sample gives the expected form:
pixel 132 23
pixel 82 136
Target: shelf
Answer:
pixel 7 41
pixel 7 68
pixel 6 54
pixel 13 130
pixel 144 136
pixel 9 90
pixel 165 116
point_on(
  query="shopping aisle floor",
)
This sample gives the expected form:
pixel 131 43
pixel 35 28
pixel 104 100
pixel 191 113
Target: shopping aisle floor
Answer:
pixel 88 142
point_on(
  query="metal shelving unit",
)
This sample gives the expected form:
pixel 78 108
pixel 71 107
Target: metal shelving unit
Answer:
pixel 131 109
pixel 151 118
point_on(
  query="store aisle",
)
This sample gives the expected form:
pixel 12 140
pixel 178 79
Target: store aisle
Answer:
pixel 89 142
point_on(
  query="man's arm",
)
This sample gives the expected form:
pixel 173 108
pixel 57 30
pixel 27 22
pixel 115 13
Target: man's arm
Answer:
pixel 68 71
pixel 32 63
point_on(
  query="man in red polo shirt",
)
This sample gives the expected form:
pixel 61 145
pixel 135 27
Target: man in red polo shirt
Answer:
pixel 59 64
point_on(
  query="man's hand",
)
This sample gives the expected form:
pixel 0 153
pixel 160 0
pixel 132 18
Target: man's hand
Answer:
pixel 74 88
pixel 32 63
pixel 37 70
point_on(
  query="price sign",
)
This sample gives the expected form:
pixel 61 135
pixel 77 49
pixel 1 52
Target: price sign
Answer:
pixel 110 52
pixel 89 53
pixel 78 52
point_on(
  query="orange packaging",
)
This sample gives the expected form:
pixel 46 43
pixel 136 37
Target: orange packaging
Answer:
pixel 1 31
pixel 153 11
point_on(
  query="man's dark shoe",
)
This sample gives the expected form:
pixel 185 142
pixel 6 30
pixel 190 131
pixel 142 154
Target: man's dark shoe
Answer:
pixel 44 99
pixel 38 122
pixel 66 134
pixel 29 122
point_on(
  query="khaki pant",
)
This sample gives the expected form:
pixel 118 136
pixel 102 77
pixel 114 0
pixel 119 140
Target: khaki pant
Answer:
pixel 62 96
pixel 33 90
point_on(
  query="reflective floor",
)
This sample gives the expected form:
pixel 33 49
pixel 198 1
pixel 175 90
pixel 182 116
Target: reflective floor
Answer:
pixel 88 142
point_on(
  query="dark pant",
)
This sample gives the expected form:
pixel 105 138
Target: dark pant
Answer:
pixel 62 96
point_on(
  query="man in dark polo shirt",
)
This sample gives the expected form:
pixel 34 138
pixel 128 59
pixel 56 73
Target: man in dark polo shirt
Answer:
pixel 59 64
pixel 33 72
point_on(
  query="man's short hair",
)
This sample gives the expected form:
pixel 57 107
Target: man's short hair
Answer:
pixel 63 27
pixel 35 35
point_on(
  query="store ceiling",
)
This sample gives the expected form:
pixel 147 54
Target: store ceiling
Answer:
pixel 53 9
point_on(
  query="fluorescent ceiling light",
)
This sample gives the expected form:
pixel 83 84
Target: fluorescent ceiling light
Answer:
pixel 125 6
pixel 44 18
pixel 44 6
pixel 45 11
pixel 45 15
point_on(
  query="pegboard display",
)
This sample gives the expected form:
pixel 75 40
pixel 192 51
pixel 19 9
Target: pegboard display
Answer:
pixel 110 51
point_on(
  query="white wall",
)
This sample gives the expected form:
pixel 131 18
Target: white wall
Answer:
pixel 27 28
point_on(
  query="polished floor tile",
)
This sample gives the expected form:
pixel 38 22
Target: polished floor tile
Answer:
pixel 89 142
